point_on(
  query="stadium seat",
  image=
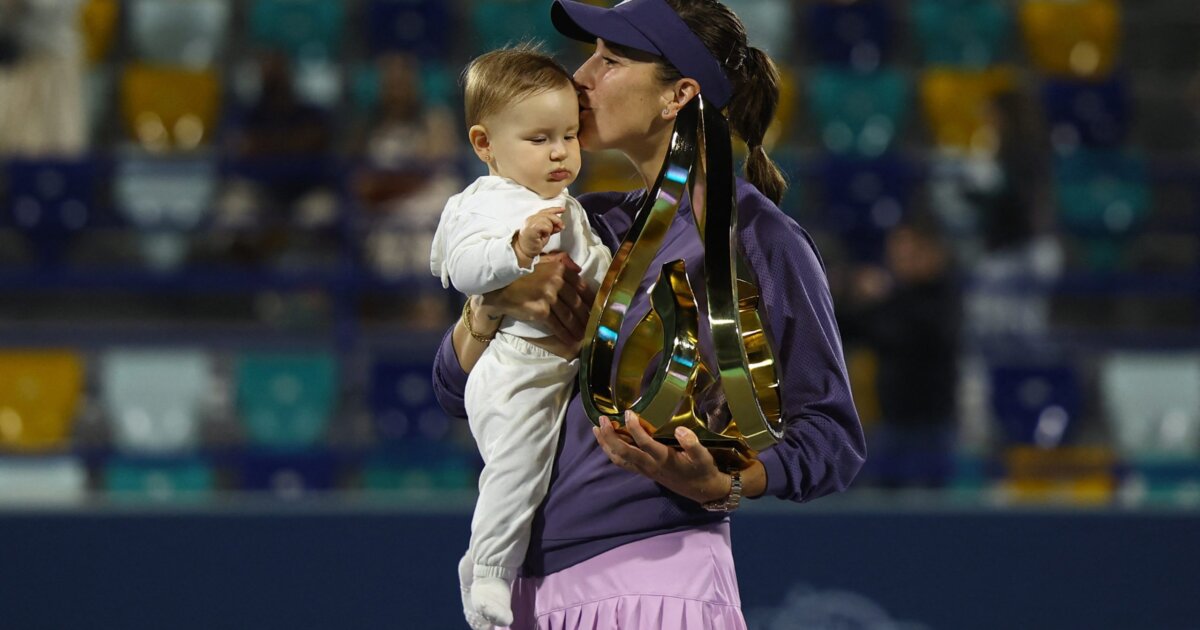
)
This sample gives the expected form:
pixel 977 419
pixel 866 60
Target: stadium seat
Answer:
pixel 49 201
pixel 1072 39
pixel 154 398
pixel 855 34
pixel 42 479
pixel 1103 198
pixel 158 479
pixel 168 107
pixel 288 475
pixel 188 33
pixel 1094 114
pixel 1152 403
pixel 165 197
pixel 416 26
pixel 389 472
pixel 1078 475
pixel 858 113
pixel 770 23
pixel 1037 406
pixel 863 200
pixel 40 392
pixel 957 106
pixel 969 34
pixel 98 21
pixel 285 401
pixel 303 29
pixel 500 23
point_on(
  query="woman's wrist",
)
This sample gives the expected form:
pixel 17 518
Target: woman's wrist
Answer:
pixel 485 319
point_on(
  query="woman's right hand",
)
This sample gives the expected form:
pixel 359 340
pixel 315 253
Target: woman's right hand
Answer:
pixel 553 295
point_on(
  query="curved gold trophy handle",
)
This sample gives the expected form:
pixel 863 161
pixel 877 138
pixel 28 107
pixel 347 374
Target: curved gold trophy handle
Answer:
pixel 745 364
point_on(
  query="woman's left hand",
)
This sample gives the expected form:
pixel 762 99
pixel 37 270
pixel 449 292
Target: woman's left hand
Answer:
pixel 689 470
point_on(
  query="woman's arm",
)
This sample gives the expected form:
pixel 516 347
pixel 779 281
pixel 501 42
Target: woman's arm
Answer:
pixel 552 295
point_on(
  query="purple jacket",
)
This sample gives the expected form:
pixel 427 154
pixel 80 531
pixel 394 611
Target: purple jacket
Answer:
pixel 592 505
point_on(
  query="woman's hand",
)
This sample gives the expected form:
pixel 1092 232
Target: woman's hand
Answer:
pixel 689 471
pixel 553 295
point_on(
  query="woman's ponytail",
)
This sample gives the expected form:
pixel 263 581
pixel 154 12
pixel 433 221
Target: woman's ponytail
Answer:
pixel 755 97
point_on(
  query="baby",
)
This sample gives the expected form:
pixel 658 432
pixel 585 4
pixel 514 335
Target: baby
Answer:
pixel 523 118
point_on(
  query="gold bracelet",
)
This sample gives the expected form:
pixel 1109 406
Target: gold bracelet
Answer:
pixel 466 317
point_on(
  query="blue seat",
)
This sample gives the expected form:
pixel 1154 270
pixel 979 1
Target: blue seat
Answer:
pixel 962 33
pixel 159 479
pixel 500 23
pixel 155 398
pixel 288 475
pixel 179 32
pixel 304 29
pixel 859 113
pixel 50 201
pixel 1038 405
pixel 857 34
pixel 285 401
pixel 1095 114
pixel 417 26
pixel 863 199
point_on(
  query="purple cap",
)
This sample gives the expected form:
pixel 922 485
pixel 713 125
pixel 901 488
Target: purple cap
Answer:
pixel 650 26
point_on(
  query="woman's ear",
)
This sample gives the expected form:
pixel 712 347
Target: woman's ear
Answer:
pixel 682 92
pixel 480 142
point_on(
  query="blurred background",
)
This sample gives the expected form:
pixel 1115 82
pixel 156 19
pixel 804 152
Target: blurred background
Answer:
pixel 217 319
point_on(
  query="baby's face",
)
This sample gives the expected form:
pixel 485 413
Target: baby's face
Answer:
pixel 535 141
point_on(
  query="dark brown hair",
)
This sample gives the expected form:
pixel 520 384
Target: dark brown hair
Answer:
pixel 755 82
pixel 497 79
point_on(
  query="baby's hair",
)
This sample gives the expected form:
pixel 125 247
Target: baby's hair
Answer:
pixel 497 79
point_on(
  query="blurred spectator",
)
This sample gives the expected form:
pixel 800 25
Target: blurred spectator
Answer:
pixel 41 79
pixel 284 173
pixel 908 314
pixel 1008 191
pixel 409 168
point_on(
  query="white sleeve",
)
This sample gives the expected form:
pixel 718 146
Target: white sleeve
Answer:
pixel 479 256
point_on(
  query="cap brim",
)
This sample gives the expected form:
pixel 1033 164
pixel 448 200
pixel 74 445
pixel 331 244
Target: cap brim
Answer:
pixel 585 23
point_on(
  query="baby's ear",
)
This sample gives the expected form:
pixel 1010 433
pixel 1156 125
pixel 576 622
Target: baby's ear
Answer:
pixel 480 142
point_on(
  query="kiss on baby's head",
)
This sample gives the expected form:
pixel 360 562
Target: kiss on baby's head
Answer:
pixel 523 118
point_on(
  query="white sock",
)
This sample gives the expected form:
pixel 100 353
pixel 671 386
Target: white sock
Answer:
pixel 466 576
pixel 492 598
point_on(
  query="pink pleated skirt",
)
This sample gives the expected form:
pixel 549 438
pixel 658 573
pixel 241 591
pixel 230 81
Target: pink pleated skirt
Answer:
pixel 680 581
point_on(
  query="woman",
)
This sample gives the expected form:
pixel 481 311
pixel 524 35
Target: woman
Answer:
pixel 636 534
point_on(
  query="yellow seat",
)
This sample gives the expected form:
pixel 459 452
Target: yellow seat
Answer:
pixel 166 107
pixel 957 105
pixel 1077 475
pixel 1072 39
pixel 98 20
pixel 39 395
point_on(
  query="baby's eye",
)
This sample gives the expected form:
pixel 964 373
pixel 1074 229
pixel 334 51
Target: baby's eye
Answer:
pixel 538 139
pixel 570 137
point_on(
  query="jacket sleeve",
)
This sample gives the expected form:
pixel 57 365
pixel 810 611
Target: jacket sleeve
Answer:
pixel 823 446
pixel 449 379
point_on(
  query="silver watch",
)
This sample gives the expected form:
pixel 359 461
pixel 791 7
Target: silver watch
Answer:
pixel 730 502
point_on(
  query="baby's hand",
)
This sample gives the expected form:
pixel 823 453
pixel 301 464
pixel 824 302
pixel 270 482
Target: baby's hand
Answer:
pixel 532 238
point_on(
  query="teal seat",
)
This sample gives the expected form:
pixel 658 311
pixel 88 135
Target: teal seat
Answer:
pixel 304 29
pixel 165 480
pixel 395 473
pixel 962 33
pixel 1103 199
pixel 859 113
pixel 1152 403
pixel 187 33
pixel 155 398
pixel 285 401
pixel 501 23
pixel 771 24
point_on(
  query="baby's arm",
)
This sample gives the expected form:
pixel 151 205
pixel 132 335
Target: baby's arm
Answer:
pixel 530 241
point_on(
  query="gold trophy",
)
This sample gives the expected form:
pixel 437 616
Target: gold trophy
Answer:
pixel 734 408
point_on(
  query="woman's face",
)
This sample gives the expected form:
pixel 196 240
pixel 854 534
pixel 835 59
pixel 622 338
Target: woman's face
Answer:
pixel 620 101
